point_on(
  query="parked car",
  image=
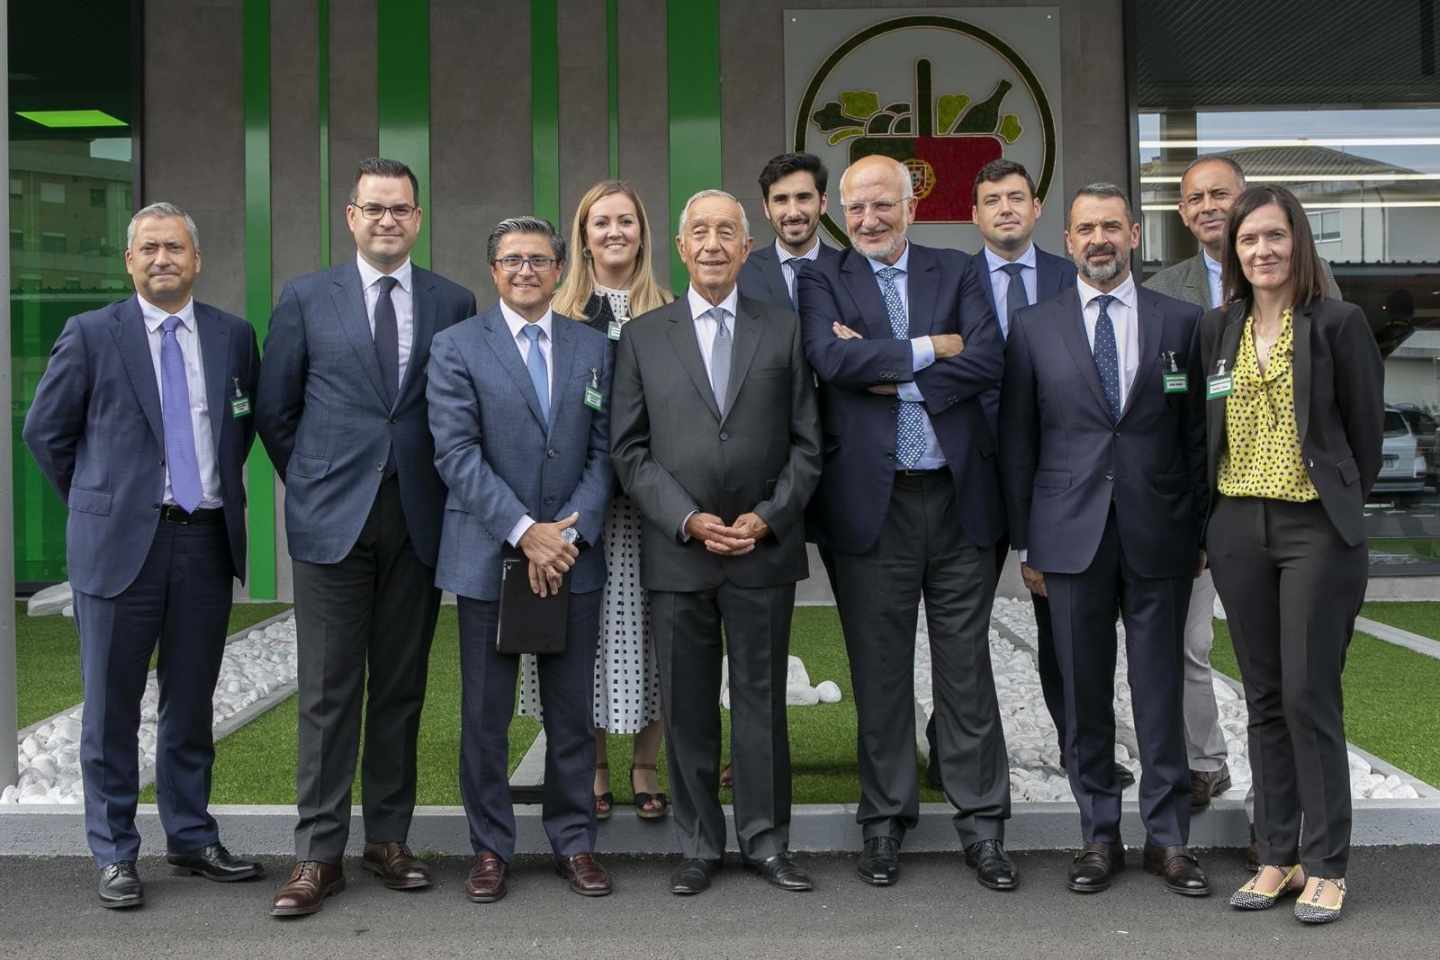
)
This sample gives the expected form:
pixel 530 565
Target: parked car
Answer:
pixel 1402 467
pixel 1427 437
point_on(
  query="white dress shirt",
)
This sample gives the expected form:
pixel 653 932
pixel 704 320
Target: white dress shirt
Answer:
pixel 517 325
pixel 402 296
pixel 1212 271
pixel 922 355
pixel 1000 282
pixel 189 340
pixel 705 325
pixel 787 269
pixel 1124 318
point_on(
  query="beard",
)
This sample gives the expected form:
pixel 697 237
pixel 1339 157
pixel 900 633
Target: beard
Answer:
pixel 885 248
pixel 1103 272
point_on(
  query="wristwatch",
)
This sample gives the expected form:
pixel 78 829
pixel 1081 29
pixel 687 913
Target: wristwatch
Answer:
pixel 570 535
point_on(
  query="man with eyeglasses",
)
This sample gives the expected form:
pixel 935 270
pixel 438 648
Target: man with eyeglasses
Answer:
pixel 906 346
pixel 341 410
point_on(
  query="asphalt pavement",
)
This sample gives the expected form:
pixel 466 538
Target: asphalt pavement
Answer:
pixel 48 909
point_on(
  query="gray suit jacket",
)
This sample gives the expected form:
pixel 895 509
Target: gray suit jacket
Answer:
pixel 499 458
pixel 1188 281
pixel 676 453
pixel 761 277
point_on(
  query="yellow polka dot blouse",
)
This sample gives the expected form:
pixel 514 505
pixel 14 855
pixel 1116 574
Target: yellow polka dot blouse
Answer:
pixel 1262 457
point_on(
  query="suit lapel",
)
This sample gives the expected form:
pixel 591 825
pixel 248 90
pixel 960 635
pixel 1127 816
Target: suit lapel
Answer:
pixel 215 353
pixel 923 282
pixel 422 329
pixel 1301 324
pixel 1149 325
pixel 982 273
pixel 497 333
pixel 1229 347
pixel 134 345
pixel 349 300
pixel 562 355
pixel 865 291
pixel 1072 331
pixel 1197 281
pixel 747 341
pixel 687 350
pixel 775 276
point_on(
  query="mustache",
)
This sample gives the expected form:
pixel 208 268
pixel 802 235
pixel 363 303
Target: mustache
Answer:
pixel 1099 249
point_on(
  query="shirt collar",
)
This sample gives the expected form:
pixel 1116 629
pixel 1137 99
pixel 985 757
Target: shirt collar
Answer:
pixel 902 264
pixel 1211 264
pixel 813 253
pixel 368 274
pixel 1125 293
pixel 699 305
pixel 516 323
pixel 155 317
pixel 998 262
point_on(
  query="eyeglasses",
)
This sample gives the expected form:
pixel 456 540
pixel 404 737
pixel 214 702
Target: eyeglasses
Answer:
pixel 376 211
pixel 880 207
pixel 514 264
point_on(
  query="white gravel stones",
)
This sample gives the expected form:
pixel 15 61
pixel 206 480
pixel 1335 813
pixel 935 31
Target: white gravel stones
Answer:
pixel 798 690
pixel 254 667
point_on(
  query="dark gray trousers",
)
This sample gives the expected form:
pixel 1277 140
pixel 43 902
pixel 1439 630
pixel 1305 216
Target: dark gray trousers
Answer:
pixel 1292 589
pixel 376 608
pixel 687 628
pixel 921 554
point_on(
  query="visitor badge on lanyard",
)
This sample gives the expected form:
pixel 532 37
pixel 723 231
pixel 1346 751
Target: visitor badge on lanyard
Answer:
pixel 1220 384
pixel 239 403
pixel 1174 378
pixel 593 398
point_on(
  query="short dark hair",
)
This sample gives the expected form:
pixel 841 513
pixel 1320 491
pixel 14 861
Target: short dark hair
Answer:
pixel 997 170
pixel 380 167
pixel 538 225
pixel 788 163
pixel 1104 191
pixel 1228 161
pixel 1306 272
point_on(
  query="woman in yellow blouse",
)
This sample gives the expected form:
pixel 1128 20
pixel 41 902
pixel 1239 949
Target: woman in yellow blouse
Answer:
pixel 1295 411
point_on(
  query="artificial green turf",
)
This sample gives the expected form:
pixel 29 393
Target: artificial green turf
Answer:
pixel 1422 617
pixel 1392 700
pixel 47 653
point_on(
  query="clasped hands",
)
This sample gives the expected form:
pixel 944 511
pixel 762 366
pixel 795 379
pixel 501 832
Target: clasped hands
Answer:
pixel 549 555
pixel 944 344
pixel 735 540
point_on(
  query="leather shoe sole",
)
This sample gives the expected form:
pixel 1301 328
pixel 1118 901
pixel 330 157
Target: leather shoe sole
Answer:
pixel 690 879
pixel 878 879
pixel 306 910
pixel 122 903
pixel 393 883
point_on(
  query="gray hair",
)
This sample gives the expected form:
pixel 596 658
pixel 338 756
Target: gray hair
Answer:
pixel 526 224
pixel 703 194
pixel 1105 191
pixel 1230 162
pixel 907 189
pixel 161 209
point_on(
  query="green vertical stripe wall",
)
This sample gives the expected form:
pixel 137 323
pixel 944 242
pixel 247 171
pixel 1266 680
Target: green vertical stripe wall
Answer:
pixel 260 488
pixel 545 108
pixel 403 78
pixel 692 40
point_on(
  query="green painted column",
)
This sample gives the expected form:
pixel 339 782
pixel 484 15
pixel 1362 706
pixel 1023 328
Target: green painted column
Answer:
pixel 545 108
pixel 692 40
pixel 260 477
pixel 403 80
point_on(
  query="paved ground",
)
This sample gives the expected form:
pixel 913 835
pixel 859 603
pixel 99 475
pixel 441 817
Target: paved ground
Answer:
pixel 937 910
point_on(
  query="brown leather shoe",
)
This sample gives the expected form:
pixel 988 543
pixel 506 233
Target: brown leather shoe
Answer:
pixel 1205 785
pixel 395 865
pixel 486 882
pixel 304 893
pixel 1177 866
pixel 585 874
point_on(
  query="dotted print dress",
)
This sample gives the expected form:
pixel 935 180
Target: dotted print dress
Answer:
pixel 627 676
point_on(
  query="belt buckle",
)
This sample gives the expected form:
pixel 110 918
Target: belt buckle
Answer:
pixel 176 514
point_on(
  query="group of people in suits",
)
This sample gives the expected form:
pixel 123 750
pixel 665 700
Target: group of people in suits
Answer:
pixel 916 412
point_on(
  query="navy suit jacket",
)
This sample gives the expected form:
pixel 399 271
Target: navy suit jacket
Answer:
pixel 499 458
pixel 1052 276
pixel 96 433
pixel 1066 463
pixel 859 426
pixel 322 414
pixel 761 277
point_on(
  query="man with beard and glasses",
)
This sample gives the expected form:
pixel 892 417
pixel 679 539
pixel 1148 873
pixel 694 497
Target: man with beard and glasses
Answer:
pixel 1104 475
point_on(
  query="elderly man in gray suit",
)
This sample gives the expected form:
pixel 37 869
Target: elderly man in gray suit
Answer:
pixel 716 437
pixel 1208 188
pixel 522 440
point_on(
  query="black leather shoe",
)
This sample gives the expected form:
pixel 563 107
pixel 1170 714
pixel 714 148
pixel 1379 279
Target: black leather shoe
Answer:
pixel 214 862
pixel 1180 869
pixel 1205 785
pixel 1095 865
pixel 120 886
pixel 782 872
pixel 992 865
pixel 880 861
pixel 693 876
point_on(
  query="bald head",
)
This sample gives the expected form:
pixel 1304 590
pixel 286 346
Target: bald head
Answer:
pixel 879 203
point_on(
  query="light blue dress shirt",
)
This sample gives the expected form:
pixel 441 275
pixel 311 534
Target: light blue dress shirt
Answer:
pixel 1212 270
pixel 1000 282
pixel 922 355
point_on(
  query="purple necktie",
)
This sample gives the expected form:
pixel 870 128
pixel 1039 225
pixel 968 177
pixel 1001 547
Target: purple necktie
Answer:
pixel 175 414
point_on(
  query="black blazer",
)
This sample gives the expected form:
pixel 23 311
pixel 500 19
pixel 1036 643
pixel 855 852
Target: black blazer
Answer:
pixel 1339 402
pixel 761 277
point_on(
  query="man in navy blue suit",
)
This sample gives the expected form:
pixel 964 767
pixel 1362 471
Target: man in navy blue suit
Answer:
pixel 1104 466
pixel 142 423
pixel 792 188
pixel 519 406
pixel 341 410
pixel 905 346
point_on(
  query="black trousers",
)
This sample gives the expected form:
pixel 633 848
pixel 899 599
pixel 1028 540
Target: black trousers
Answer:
pixel 364 628
pixel 1082 608
pixel 567 696
pixel 1292 589
pixel 921 555
pixel 687 628
pixel 180 600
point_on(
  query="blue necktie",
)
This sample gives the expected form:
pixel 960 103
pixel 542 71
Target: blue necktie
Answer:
pixel 387 338
pixel 1107 357
pixel 175 417
pixel 539 375
pixel 910 420
pixel 1016 296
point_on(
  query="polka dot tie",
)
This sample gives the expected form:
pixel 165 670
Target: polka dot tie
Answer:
pixel 1107 357
pixel 910 418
